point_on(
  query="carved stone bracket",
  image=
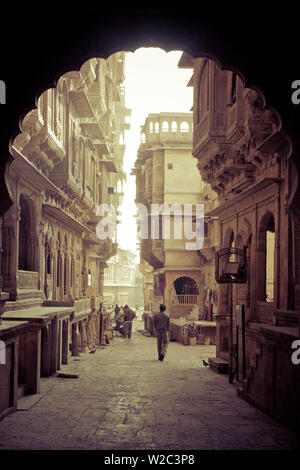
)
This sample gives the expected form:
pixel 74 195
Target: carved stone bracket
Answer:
pixel 106 249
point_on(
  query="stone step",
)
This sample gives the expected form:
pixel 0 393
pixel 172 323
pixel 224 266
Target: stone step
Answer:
pixel 219 365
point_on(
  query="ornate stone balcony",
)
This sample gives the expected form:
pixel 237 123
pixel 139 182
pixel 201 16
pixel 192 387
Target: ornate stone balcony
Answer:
pixel 167 129
pixel 81 103
pixel 38 144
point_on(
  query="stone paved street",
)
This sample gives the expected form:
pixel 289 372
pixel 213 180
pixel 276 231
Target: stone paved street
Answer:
pixel 125 398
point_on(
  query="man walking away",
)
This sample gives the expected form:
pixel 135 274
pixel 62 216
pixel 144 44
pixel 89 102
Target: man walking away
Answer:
pixel 117 310
pixel 162 327
pixel 129 316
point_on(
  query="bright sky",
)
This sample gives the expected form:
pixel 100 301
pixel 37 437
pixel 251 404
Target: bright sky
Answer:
pixel 153 84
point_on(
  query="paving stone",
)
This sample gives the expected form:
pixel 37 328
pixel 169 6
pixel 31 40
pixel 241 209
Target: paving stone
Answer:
pixel 124 398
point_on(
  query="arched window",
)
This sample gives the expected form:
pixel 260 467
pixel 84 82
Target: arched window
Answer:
pixel 151 127
pixel 89 279
pixel 121 139
pixel 65 275
pixel 184 127
pixel 185 291
pixel 186 285
pixel 58 266
pixel 47 258
pixel 265 262
pixel 270 252
pixel 174 126
pixel 156 128
pixel 165 126
pixel 24 232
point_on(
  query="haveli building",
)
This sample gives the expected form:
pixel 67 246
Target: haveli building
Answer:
pixel 243 155
pixel 166 174
pixel 67 162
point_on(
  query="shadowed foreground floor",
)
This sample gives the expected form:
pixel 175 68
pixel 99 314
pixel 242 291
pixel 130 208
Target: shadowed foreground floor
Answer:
pixel 125 398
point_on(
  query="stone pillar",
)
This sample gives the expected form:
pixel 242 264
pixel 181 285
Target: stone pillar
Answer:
pixel 44 267
pixel 94 329
pixel 61 275
pixel 76 344
pixel 33 250
pixel 54 345
pixel 68 279
pixel 10 253
pixel 9 375
pixel 66 276
pixel 83 275
pixel 64 342
pixel 41 268
pixel 90 334
pixel 54 277
pixel 59 346
pixel 101 280
pixel 97 326
pixel 46 347
pixel 222 322
pixel 72 278
pixel 82 331
pixel 30 359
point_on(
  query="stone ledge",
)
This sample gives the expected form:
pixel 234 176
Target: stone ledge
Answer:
pixel 11 327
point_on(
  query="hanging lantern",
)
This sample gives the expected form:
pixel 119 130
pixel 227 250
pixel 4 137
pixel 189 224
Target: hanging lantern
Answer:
pixel 230 266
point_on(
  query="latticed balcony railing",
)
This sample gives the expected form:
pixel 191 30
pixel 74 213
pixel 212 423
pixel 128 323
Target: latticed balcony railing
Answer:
pixel 185 299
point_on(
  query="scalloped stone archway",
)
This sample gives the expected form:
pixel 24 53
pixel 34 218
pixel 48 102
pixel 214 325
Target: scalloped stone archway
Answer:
pixel 96 32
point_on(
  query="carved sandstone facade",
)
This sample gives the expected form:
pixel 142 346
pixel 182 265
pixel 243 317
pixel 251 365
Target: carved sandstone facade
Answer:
pixel 67 161
pixel 243 155
pixel 166 174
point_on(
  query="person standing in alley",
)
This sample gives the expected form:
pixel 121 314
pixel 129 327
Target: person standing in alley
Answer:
pixel 129 316
pixel 117 310
pixel 161 323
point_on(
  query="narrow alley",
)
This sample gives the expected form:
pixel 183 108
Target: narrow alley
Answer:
pixel 124 398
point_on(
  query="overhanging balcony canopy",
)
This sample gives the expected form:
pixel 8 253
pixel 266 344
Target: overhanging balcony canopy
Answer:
pixel 91 128
pixel 110 165
pixel 81 103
